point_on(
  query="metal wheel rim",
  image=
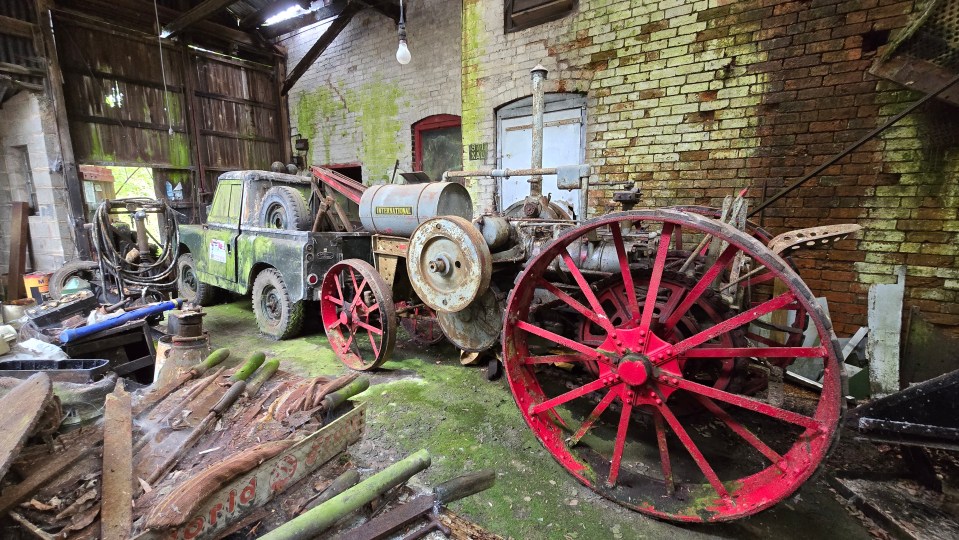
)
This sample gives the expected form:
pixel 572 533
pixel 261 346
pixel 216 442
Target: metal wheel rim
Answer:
pixel 716 499
pixel 348 316
pixel 472 257
pixel 276 216
pixel 188 279
pixel 271 305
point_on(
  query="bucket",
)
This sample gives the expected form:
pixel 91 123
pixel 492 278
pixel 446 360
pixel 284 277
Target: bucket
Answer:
pixel 182 354
pixel 37 285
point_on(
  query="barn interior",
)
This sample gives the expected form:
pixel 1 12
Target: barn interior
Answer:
pixel 479 269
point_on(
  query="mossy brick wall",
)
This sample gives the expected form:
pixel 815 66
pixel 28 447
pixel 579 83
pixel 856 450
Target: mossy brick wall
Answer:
pixel 696 100
pixel 356 104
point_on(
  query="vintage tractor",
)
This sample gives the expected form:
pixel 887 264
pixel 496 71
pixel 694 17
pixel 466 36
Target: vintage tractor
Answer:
pixel 645 348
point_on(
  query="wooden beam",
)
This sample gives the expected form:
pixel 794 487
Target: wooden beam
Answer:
pixel 140 13
pixel 19 237
pixel 332 9
pixel 54 85
pixel 321 44
pixel 195 15
pixel 387 8
pixel 16 27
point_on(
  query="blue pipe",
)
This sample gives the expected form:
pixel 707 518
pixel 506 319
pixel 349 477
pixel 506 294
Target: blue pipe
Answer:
pixel 78 333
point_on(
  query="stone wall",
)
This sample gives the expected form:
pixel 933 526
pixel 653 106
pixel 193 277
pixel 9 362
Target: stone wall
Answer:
pixel 27 130
pixel 697 100
pixel 357 104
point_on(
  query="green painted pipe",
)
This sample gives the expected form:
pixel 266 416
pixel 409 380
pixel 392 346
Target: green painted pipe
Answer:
pixel 335 399
pixel 267 371
pixel 313 522
pixel 215 358
pixel 252 364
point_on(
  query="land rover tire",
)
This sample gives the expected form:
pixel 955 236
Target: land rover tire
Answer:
pixel 276 315
pixel 284 208
pixel 87 270
pixel 188 283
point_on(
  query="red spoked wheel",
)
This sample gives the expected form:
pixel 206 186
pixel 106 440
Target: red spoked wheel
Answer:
pixel 420 323
pixel 357 309
pixel 632 418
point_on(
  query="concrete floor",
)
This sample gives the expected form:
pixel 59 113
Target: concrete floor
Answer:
pixel 425 399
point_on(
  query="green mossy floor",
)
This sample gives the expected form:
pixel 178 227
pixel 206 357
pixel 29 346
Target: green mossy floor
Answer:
pixel 424 398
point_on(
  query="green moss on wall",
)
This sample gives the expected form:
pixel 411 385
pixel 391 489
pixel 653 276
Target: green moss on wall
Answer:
pixel 472 90
pixel 376 105
pixel 317 113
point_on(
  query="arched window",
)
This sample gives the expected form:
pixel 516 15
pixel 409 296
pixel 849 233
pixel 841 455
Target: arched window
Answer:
pixel 438 145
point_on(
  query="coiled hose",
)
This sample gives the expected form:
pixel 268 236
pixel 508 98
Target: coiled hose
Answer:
pixel 147 275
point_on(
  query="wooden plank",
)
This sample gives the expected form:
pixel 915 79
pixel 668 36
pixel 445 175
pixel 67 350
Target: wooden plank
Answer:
pixel 116 502
pixel 22 407
pixel 16 27
pixel 20 236
pixel 321 44
pixel 885 329
pixel 196 14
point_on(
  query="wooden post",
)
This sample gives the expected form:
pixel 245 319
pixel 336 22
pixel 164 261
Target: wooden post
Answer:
pixel 54 83
pixel 18 250
pixel 193 129
pixel 116 508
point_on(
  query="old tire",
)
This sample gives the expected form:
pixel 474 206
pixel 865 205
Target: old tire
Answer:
pixel 284 208
pixel 276 314
pixel 87 270
pixel 189 285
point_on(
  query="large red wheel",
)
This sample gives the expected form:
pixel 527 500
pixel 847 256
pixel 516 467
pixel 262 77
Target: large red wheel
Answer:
pixel 419 321
pixel 634 418
pixel 358 314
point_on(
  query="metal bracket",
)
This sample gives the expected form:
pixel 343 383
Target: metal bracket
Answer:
pixel 570 176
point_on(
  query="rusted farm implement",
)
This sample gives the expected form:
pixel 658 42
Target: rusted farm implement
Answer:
pixel 644 348
pixel 670 403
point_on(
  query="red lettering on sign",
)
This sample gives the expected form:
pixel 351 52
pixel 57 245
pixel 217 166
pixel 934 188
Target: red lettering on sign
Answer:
pixel 214 513
pixel 232 502
pixel 193 529
pixel 246 496
pixel 282 473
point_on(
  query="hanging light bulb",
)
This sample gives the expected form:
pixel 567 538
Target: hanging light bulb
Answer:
pixel 403 52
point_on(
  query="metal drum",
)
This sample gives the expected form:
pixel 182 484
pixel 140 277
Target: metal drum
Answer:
pixel 397 209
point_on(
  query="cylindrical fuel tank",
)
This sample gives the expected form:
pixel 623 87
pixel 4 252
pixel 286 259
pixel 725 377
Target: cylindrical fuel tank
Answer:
pixel 397 209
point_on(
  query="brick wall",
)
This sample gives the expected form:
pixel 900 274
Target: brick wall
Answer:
pixel 694 100
pixel 356 103
pixel 27 131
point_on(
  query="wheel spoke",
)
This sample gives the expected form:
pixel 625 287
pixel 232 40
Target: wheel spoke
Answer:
pixel 339 288
pixel 569 396
pixel 358 296
pixel 665 237
pixel 353 278
pixel 624 269
pixel 560 340
pixel 739 429
pixel 587 290
pixel 593 417
pixel 733 323
pixel 368 327
pixel 556 359
pixel 704 282
pixel 663 452
pixel 333 300
pixel 376 350
pixel 746 403
pixel 599 319
pixel 614 465
pixel 694 451
pixel 756 352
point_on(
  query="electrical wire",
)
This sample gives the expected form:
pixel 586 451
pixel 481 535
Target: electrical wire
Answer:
pixel 157 274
